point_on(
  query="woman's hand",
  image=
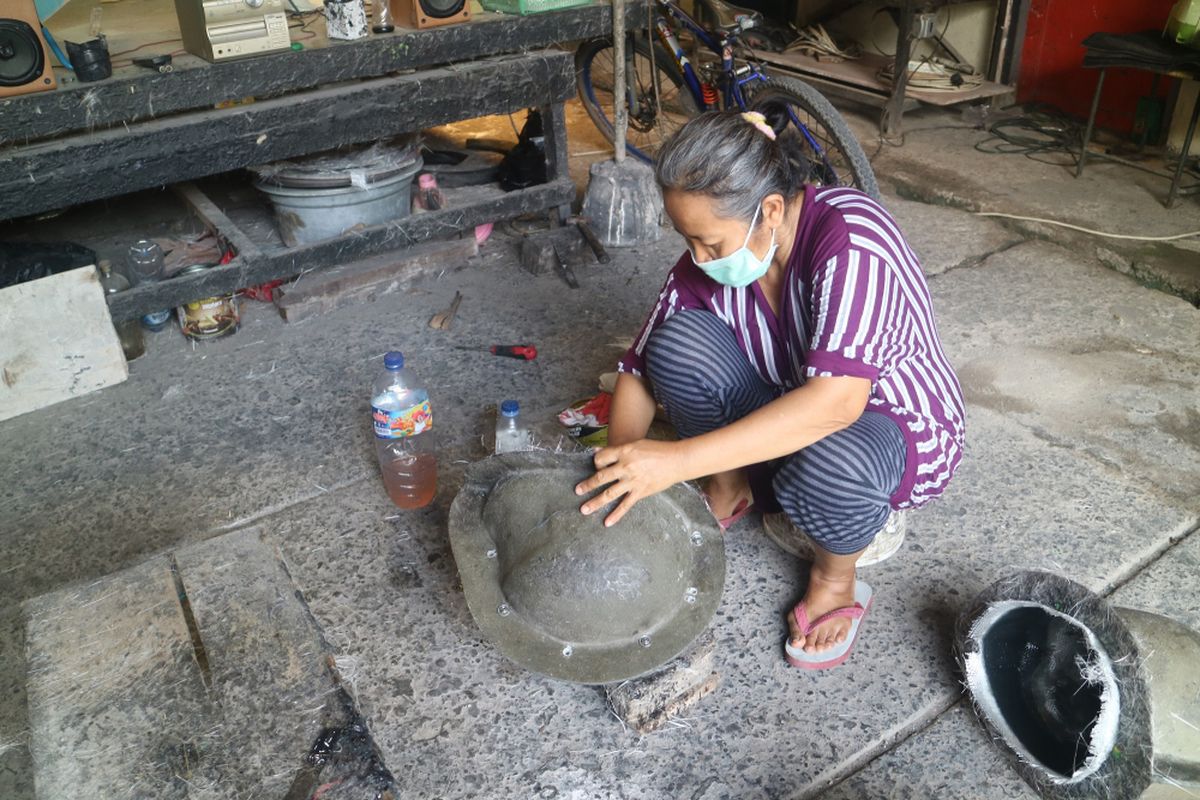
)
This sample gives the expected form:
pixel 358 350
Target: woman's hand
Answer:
pixel 632 472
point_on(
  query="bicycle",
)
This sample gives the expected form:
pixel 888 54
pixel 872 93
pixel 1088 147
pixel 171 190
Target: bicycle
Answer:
pixel 665 89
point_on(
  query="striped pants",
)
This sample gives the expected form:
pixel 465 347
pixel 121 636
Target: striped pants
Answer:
pixel 837 490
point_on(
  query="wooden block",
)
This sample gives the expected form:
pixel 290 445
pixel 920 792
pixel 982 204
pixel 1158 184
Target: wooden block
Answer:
pixel 59 342
pixel 649 702
pixel 363 281
pixel 537 249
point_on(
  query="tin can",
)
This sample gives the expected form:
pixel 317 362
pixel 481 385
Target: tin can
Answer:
pixel 209 318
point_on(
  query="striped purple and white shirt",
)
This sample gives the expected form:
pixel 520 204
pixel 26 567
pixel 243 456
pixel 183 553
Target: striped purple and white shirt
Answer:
pixel 855 303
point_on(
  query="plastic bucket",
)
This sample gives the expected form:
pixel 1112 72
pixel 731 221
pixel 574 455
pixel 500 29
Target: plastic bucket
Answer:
pixel 304 216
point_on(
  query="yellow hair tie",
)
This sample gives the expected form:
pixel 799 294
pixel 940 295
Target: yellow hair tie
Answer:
pixel 759 121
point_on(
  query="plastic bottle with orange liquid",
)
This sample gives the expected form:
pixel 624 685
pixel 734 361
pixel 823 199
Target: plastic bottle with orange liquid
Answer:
pixel 403 423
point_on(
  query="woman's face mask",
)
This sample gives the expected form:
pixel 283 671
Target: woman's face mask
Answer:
pixel 742 267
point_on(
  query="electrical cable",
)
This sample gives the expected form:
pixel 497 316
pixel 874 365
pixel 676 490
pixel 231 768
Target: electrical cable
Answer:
pixel 54 48
pixel 142 47
pixel 1089 230
pixel 932 73
pixel 815 41
pixel 1034 135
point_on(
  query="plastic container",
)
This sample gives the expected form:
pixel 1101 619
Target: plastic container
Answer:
pixel 403 422
pixel 383 17
pixel 1184 21
pixel 511 433
pixel 525 7
pixel 326 194
pixel 312 215
pixel 146 266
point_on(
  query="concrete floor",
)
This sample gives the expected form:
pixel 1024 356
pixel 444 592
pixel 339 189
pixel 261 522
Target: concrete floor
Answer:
pixel 1083 456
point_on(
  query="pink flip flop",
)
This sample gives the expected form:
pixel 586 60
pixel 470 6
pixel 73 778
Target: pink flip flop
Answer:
pixel 797 657
pixel 740 510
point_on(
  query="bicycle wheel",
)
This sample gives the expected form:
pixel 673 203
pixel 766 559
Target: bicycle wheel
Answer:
pixel 837 157
pixel 657 108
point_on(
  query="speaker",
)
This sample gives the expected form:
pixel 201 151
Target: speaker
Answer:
pixel 24 60
pixel 429 13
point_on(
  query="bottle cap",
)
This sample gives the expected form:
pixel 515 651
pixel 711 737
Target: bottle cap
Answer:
pixel 145 249
pixel 510 408
pixel 393 360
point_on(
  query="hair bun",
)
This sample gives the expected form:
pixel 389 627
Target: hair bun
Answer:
pixel 774 113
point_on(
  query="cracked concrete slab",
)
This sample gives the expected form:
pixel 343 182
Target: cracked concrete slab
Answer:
pixel 1164 586
pixel 952 759
pixel 205 438
pixel 939 165
pixel 1084 358
pixel 1087 472
pixel 460 720
pixel 955 758
pixel 945 238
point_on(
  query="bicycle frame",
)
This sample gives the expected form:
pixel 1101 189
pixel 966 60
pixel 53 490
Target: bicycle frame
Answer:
pixel 733 78
pixel 721 47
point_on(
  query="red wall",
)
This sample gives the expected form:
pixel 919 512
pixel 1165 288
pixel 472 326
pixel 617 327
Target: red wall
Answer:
pixel 1052 59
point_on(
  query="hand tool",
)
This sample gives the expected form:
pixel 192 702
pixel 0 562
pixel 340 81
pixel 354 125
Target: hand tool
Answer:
pixel 564 270
pixel 441 320
pixel 589 236
pixel 523 351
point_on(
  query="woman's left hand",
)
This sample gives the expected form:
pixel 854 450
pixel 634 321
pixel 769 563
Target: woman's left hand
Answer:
pixel 632 472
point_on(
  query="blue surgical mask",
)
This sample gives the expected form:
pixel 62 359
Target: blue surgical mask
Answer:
pixel 741 267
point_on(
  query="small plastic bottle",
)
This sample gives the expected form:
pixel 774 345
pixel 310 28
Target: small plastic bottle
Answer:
pixel 128 331
pixel 511 434
pixel 403 422
pixel 146 266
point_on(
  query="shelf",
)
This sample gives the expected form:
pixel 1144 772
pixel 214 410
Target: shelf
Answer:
pixel 267 260
pixel 862 74
pixel 89 166
pixel 134 94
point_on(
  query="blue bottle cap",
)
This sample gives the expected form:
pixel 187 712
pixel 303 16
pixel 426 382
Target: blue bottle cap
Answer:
pixel 394 360
pixel 509 408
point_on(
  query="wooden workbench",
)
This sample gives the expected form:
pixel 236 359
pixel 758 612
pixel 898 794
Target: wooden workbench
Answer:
pixel 141 129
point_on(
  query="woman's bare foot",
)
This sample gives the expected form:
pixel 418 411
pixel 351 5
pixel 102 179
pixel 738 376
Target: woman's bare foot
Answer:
pixel 725 491
pixel 830 586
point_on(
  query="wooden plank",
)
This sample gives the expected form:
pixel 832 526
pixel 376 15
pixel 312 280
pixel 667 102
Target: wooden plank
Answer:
pixel 266 661
pixel 488 205
pixel 135 94
pixel 365 280
pixel 649 702
pixel 59 342
pixel 541 252
pixel 554 126
pixel 117 702
pixel 862 73
pixel 214 218
pixel 65 172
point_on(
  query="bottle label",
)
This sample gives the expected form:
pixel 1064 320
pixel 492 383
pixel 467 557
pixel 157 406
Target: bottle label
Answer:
pixel 399 424
pixel 156 319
